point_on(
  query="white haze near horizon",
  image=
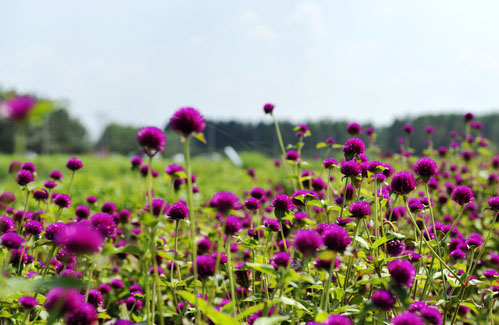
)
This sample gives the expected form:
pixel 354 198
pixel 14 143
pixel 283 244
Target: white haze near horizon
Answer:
pixel 135 62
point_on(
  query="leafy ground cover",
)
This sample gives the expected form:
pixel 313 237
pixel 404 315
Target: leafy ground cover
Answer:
pixel 352 236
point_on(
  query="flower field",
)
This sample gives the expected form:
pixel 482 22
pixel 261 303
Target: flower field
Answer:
pixel 351 236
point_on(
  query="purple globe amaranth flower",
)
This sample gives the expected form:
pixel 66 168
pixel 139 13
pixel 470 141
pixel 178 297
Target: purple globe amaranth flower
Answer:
pixel 206 266
pixel 232 225
pixel 29 166
pixel 152 139
pixel 403 183
pixel 252 204
pixel 282 202
pixel 429 129
pixel 272 224
pixel 12 240
pixel 409 129
pixel 402 272
pixel 6 224
pixel 108 207
pixel 95 298
pixel 370 131
pixel 292 155
pixel 24 177
pixel 159 206
pixel 257 192
pixel 329 163
pixel 33 227
pixel 306 195
pixel 186 121
pixel 351 168
pixel 55 175
pixel 494 203
pixel 426 168
pixel 82 212
pixel 352 147
pixel 178 211
pixel 28 302
pixel 116 284
pixel 91 199
pixel 65 256
pixel 462 195
pixel 383 299
pixel 395 247
pixel 431 315
pixel 338 320
pixel 225 201
pixel 336 238
pixel 18 108
pixel 80 238
pixel 407 318
pixel 354 128
pixel 268 108
pixel 41 194
pixel 53 230
pixel 474 240
pixel 281 259
pixel 468 117
pixel 136 162
pixel 74 164
pixel 62 200
pixel 308 242
pixel 173 169
pixel 63 300
pixel 84 313
pixel 104 223
pixel 360 209
pixel 318 184
pixel 490 274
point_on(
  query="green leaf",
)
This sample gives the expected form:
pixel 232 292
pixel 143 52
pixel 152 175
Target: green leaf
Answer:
pixel 200 137
pixel 250 311
pixel 362 241
pixel 320 145
pixel 381 241
pixel 264 268
pixel 270 320
pixel 41 109
pixel 214 315
pixel 292 302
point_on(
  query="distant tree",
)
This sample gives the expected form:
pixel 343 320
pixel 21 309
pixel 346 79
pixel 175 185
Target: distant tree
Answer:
pixel 120 139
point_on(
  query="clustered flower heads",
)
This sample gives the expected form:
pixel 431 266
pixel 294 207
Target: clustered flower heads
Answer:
pixel 302 243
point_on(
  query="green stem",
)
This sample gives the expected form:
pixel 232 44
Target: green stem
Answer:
pixel 344 197
pixel 453 225
pixel 90 275
pixel 350 261
pixel 231 276
pixel 71 182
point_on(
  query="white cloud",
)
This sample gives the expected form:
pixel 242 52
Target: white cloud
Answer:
pixel 481 59
pixel 310 14
pixel 261 32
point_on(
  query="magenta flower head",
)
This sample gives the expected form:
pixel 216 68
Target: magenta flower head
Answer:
pixel 74 164
pixel 308 242
pixel 62 200
pixel 186 121
pixel 354 128
pixel 232 225
pixel 63 300
pixel 28 302
pixel 24 177
pixel 351 168
pixel 353 147
pixel 178 211
pixel 403 183
pixel 338 320
pixel 33 227
pixel 360 209
pixel 292 155
pixel 55 175
pixel 206 266
pixel 468 117
pixel 282 202
pixel 268 108
pixel 383 299
pixel 18 108
pixel 104 223
pixel 136 162
pixel 225 201
pixel 281 259
pixel 6 224
pixel 462 195
pixel 402 272
pixel 336 238
pixel 407 318
pixel 53 230
pixel 329 163
pixel 80 238
pixel 494 203
pixel 429 129
pixel 152 139
pixel 370 131
pixel 431 315
pixel 11 240
pixel 252 204
pixel 84 313
pixel 426 168
pixel 395 247
pixel 409 129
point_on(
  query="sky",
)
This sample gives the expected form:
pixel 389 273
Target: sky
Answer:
pixel 136 62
